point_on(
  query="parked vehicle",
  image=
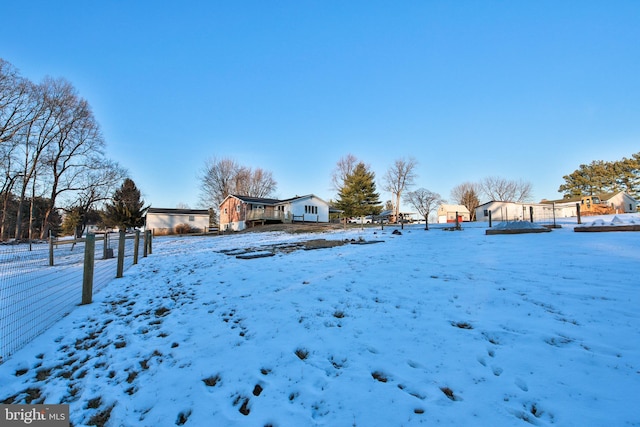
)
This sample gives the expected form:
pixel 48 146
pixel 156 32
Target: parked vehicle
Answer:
pixel 360 220
pixel 592 205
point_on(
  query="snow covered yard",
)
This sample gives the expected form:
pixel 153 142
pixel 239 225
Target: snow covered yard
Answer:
pixel 424 328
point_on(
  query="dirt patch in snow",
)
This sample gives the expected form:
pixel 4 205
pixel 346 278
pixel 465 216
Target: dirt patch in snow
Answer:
pixel 270 250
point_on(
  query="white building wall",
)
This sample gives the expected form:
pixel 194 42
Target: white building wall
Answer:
pixel 235 226
pixel 168 222
pixel 297 209
pixel 623 203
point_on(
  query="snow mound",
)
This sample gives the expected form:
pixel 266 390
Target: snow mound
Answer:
pixel 616 220
pixel 519 225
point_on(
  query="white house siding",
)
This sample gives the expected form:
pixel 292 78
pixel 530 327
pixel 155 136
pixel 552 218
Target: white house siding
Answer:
pixel 317 210
pixel 235 226
pixel 623 203
pixel 164 221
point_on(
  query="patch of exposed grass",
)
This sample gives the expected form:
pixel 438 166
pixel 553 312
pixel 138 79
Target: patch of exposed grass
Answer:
pixel 132 376
pixel 462 325
pixel 449 393
pixel 101 418
pixel 380 376
pixel 182 418
pixel 162 311
pixel 257 390
pixel 94 403
pixel 302 353
pixel 212 380
pixel 43 374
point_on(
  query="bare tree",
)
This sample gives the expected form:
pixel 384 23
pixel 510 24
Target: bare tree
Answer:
pixel 345 167
pixel 39 131
pixel 261 183
pixel 223 177
pixel 13 106
pixel 93 188
pixel 50 145
pixel 254 183
pixel 399 177
pixel 76 149
pixel 466 194
pixel 501 189
pixel 425 202
pixel 14 97
pixel 218 180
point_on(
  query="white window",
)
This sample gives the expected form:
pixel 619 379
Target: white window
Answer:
pixel 192 218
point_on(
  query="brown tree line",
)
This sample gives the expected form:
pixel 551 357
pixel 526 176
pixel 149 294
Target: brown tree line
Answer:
pixel 51 155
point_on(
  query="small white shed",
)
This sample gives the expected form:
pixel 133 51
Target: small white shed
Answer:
pixel 175 221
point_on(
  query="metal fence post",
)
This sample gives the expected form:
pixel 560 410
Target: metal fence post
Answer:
pixel 136 243
pixel 87 278
pixel 150 242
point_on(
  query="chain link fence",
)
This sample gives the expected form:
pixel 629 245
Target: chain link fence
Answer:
pixel 42 282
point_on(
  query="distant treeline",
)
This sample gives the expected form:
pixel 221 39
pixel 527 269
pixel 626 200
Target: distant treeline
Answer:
pixel 51 155
pixel 604 177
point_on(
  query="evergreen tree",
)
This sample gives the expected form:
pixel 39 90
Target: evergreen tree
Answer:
pixel 604 177
pixel 71 223
pixel 126 210
pixel 358 196
pixel 78 218
pixel 627 175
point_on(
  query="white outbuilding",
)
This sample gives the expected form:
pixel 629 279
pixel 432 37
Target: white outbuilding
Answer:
pixel 447 213
pixel 176 221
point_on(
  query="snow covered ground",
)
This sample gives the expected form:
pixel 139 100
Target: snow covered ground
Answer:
pixel 424 328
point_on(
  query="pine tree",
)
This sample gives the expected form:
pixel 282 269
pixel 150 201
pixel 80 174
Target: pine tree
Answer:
pixel 358 196
pixel 604 177
pixel 627 173
pixel 126 210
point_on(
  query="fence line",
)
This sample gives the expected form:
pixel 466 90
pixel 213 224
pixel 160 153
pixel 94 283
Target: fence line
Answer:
pixel 35 294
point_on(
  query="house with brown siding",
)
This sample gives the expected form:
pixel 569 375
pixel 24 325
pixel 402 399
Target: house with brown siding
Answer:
pixel 239 212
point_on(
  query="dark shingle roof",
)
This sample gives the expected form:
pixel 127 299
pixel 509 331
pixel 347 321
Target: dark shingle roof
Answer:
pixel 179 211
pixel 262 200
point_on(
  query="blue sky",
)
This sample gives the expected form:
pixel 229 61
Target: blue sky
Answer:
pixel 525 90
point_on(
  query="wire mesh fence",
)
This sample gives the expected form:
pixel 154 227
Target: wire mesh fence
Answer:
pixel 42 282
pixel 544 214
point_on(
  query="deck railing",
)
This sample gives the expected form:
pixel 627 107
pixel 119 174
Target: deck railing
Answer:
pixel 262 215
